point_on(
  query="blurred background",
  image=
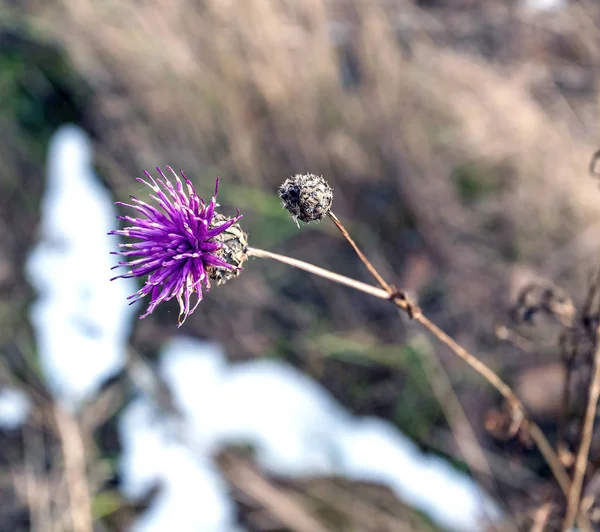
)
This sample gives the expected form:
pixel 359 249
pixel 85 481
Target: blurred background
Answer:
pixel 457 136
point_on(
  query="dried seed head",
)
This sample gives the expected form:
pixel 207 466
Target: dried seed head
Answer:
pixel 307 197
pixel 235 245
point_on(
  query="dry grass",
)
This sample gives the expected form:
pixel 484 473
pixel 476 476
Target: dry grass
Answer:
pixel 447 165
pixel 252 90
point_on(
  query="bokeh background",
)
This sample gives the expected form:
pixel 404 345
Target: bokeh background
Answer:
pixel 457 136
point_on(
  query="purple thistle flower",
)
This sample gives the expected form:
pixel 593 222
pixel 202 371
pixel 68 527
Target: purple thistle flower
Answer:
pixel 176 243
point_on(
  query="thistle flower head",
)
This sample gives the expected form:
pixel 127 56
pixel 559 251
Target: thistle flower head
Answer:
pixel 178 243
pixel 307 197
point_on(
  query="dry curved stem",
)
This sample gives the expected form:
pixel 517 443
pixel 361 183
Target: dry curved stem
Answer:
pixel 402 302
pixel 360 254
pixel 520 417
pixel 513 401
pixel 581 461
pixel 321 272
pixel 592 168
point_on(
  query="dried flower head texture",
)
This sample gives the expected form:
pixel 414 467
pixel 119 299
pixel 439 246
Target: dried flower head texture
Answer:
pixel 307 197
pixel 234 250
pixel 178 243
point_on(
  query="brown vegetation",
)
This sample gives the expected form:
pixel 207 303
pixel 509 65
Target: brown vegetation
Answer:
pixel 457 139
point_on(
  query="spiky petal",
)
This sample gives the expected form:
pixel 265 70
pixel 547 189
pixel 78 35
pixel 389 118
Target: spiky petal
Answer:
pixel 176 243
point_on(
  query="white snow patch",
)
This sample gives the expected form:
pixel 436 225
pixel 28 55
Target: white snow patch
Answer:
pixel 544 5
pixel 15 406
pixel 296 428
pixel 193 496
pixel 81 319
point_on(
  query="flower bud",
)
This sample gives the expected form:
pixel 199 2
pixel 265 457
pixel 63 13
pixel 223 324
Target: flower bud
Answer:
pixel 307 197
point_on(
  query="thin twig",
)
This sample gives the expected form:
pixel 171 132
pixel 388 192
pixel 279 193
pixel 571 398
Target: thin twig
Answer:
pixel 569 354
pixel 487 373
pixel 365 513
pixel 586 439
pixel 360 254
pixel 321 272
pixel 541 517
pixel 464 435
pixel 514 402
pixel 279 502
pixel 593 166
pixel 455 413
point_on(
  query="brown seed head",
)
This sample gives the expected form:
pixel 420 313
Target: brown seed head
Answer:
pixel 234 250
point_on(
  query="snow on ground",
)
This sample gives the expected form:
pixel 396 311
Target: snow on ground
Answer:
pixel 81 319
pixel 14 408
pixel 296 429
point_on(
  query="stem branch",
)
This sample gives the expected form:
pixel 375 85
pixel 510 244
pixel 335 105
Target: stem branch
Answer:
pixel 321 272
pixel 360 254
pixel 482 369
pixel 586 440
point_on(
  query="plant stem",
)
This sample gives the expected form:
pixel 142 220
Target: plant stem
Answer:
pixel 514 402
pixel 360 254
pixel 586 440
pixel 487 373
pixel 321 272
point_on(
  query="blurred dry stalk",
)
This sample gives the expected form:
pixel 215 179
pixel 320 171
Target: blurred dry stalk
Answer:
pixel 580 345
pixel 590 325
pixel 280 504
pixel 339 504
pixel 75 467
pixel 541 517
pixel 52 480
pixel 581 462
